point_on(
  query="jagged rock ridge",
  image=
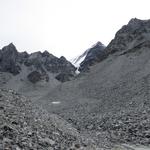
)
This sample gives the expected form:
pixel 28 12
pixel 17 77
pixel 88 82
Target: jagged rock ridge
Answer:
pixel 12 61
pixel 110 103
pixel 89 57
pixel 97 51
pixel 131 35
pixel 113 98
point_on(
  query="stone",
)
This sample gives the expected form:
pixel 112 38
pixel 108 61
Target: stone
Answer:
pixel 46 141
pixel 34 76
pixel 63 77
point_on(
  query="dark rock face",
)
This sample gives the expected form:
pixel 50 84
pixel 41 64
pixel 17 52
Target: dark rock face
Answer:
pixel 34 76
pixel 63 77
pixel 11 61
pixel 94 54
pixel 134 32
pixel 130 36
pixel 58 65
pixel 47 62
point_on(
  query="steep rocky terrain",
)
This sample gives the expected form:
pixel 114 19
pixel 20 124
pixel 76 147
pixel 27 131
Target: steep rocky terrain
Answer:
pixel 89 57
pixel 24 126
pixel 93 55
pixel 32 74
pixel 12 61
pixel 112 99
pixel 131 35
pixel 109 104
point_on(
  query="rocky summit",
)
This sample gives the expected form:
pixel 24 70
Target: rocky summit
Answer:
pixel 13 62
pixel 131 35
pixel 89 57
pixel 45 104
pixel 93 55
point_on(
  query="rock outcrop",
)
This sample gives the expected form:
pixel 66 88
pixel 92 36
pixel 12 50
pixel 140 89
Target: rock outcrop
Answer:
pixel 93 55
pixel 110 104
pixel 63 77
pixel 113 99
pixel 133 35
pixel 12 61
pixel 129 36
pixel 89 57
pixel 9 61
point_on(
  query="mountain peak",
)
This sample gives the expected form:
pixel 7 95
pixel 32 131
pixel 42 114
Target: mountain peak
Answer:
pixel 136 31
pixel 134 21
pixel 137 23
pixel 94 54
pixel 45 53
pixel 99 44
pixel 89 57
pixel 10 47
pixel 44 63
pixel 63 58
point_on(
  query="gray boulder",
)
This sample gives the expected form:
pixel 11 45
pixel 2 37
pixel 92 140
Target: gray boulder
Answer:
pixel 63 77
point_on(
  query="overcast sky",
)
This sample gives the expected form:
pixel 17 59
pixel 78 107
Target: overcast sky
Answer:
pixel 65 27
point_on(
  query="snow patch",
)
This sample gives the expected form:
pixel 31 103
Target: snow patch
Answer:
pixel 56 102
pixel 78 60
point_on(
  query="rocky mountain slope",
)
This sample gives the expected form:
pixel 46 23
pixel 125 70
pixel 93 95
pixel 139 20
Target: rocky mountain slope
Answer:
pixel 89 57
pixel 32 74
pixel 24 126
pixel 112 99
pixel 132 35
pixel 39 64
pixel 109 103
pixel 93 54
